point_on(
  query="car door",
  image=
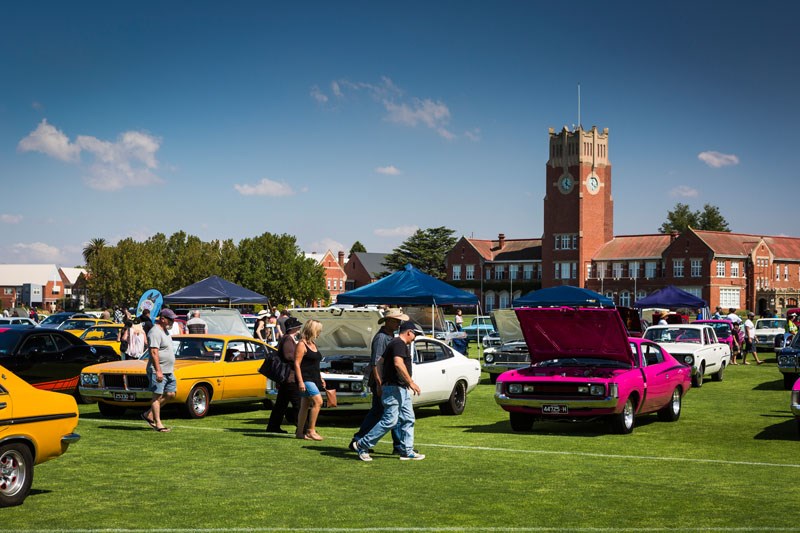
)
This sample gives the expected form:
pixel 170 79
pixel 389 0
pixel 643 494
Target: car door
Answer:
pixel 40 362
pixel 241 370
pixel 659 377
pixel 430 364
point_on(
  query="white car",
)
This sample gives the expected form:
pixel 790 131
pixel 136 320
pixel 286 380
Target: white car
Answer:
pixel 695 345
pixel 16 321
pixel 444 376
pixel 767 329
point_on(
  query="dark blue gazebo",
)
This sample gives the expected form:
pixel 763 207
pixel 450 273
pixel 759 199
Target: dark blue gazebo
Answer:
pixel 671 297
pixel 215 291
pixel 565 295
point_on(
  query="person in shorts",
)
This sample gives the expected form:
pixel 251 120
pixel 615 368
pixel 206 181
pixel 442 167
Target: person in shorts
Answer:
pixel 309 380
pixel 750 340
pixel 160 368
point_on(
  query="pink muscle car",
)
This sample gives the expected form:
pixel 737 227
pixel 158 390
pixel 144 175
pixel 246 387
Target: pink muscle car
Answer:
pixel 584 366
pixel 796 403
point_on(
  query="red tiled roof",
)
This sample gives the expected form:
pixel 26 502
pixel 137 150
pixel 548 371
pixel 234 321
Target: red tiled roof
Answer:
pixel 513 249
pixel 785 248
pixel 633 247
pixel 728 244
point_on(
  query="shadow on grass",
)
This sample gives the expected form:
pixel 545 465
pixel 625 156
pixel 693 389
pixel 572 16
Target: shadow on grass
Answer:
pixel 770 385
pixel 786 430
pixel 566 428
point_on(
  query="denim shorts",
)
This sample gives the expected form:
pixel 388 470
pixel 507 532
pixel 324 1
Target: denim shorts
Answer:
pixel 168 384
pixel 311 389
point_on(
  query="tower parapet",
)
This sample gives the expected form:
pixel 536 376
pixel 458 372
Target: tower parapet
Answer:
pixel 569 148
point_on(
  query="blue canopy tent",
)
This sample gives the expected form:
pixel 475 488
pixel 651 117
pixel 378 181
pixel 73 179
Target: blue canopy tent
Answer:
pixel 565 295
pixel 215 291
pixel 671 297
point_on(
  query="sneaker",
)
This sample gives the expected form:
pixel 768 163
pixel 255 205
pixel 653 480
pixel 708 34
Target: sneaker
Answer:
pixel 364 456
pixel 399 451
pixel 353 446
pixel 413 456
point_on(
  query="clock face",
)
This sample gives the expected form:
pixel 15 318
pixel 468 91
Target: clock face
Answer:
pixel 593 184
pixel 565 183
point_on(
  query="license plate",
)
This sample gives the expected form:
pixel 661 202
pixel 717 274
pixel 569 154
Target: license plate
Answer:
pixel 124 397
pixel 555 410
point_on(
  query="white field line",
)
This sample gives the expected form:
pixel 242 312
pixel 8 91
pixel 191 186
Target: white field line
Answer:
pixel 424 530
pixel 511 450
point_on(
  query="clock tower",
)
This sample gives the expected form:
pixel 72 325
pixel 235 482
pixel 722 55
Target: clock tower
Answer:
pixel 578 208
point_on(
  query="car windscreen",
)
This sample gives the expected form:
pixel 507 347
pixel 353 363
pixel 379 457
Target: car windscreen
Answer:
pixel 198 349
pixel 770 324
pixel 54 320
pixel 8 340
pixel 75 324
pixel 674 334
pixel 722 330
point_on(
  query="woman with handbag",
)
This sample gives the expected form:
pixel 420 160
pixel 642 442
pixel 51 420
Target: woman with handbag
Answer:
pixel 309 380
pixel 287 391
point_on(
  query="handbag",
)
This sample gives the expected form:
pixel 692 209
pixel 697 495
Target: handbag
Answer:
pixel 331 397
pixel 275 368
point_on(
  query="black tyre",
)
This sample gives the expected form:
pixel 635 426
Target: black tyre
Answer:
pixel 198 402
pixel 457 401
pixel 697 379
pixel 493 378
pixel 109 410
pixel 16 473
pixel 720 374
pixel 521 421
pixel 672 411
pixel 788 381
pixel 623 422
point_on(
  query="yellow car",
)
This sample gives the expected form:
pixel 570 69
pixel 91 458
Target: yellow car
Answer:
pixel 35 426
pixel 76 326
pixel 208 369
pixel 103 335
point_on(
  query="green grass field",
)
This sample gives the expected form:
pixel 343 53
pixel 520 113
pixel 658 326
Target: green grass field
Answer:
pixel 730 463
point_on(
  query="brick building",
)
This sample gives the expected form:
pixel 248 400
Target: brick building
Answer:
pixel 335 276
pixel 362 268
pixel 41 285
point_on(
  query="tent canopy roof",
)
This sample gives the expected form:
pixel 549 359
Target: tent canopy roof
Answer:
pixel 409 286
pixel 564 295
pixel 215 290
pixel 671 297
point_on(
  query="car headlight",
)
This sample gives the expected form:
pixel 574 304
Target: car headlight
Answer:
pixel 527 388
pixel 514 388
pixel 488 357
pixel 357 386
pixel 90 379
pixel 597 390
pixel 688 359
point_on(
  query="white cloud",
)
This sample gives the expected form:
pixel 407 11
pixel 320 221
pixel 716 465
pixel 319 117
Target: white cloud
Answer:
pixel 684 191
pixel 717 159
pixel 399 231
pixel 10 219
pixel 130 161
pixel 318 95
pixel 50 141
pixel 473 135
pixel 265 187
pixel 326 244
pixel 36 252
pixel 391 170
pixel 337 91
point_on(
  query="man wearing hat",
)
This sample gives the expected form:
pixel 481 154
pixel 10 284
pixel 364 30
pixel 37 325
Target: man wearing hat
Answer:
pixel 791 324
pixel 391 320
pixel 396 391
pixel 287 391
pixel 750 339
pixel 160 369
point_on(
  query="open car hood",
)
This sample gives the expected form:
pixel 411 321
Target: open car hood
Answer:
pixel 344 331
pixel 507 325
pixel 566 332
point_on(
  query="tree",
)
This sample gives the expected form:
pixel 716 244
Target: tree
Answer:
pixel 681 218
pixel 92 248
pixel 357 247
pixel 426 250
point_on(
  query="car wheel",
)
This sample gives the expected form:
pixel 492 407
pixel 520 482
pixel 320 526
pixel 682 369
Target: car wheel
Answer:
pixel 697 379
pixel 493 378
pixel 719 375
pixel 267 404
pixel 457 401
pixel 788 381
pixel 197 402
pixel 521 421
pixel 109 410
pixel 622 422
pixel 16 473
pixel 672 411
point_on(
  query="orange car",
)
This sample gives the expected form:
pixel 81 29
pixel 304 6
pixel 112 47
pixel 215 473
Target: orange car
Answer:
pixel 35 426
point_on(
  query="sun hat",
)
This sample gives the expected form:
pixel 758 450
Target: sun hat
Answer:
pixel 292 323
pixel 395 313
pixel 263 312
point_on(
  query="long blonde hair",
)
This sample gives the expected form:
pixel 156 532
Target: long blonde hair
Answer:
pixel 311 330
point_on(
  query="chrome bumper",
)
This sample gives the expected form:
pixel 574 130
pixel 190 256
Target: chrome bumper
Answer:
pixel 606 402
pixel 345 401
pixel 66 440
pixel 499 368
pixel 105 394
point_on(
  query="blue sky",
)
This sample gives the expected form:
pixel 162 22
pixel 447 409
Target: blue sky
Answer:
pixel 345 121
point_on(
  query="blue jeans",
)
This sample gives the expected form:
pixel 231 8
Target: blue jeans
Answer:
pixel 373 416
pixel 397 414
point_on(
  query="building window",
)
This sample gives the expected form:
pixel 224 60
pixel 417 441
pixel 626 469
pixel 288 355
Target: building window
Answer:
pixel 489 304
pixel 625 299
pixel 565 270
pixel 328 283
pixel 730 298
pixel 503 300
pixel 617 270
pixel 633 269
pixel 574 238
pixel 697 267
pixel 7 291
pixel 777 272
pixel 720 269
pixel 588 270
pixel 558 242
pixel 539 272
pixel 512 271
pixel 527 272
pixel 601 270
pixel 499 271
pixel 677 268
pixel 557 270
pixel 650 269
pixel 786 272
pixel 456 272
pixel 734 270
pixel 574 270
pixel 640 295
pixel 488 273
pixel 470 271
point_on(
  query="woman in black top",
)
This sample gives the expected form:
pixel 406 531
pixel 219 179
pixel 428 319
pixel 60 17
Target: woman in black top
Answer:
pixel 309 380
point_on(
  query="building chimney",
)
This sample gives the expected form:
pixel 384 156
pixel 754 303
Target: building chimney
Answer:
pixel 501 241
pixel 341 258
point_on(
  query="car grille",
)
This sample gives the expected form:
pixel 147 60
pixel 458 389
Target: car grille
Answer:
pixel 505 357
pixel 125 381
pixel 556 390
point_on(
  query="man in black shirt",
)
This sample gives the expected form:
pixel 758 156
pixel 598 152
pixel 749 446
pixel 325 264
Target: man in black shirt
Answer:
pixel 396 390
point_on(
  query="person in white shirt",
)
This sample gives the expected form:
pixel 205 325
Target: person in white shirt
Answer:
pixel 733 317
pixel 750 339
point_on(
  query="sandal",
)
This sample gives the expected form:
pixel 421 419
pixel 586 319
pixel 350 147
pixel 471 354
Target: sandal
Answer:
pixel 152 423
pixel 314 436
pixel 759 362
pixel 162 430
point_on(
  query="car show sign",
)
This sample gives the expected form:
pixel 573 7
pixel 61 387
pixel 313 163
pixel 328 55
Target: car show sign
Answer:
pixel 152 300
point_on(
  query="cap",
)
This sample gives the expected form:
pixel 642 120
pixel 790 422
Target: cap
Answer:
pixel 409 325
pixel 292 323
pixel 395 313
pixel 750 313
pixel 168 313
